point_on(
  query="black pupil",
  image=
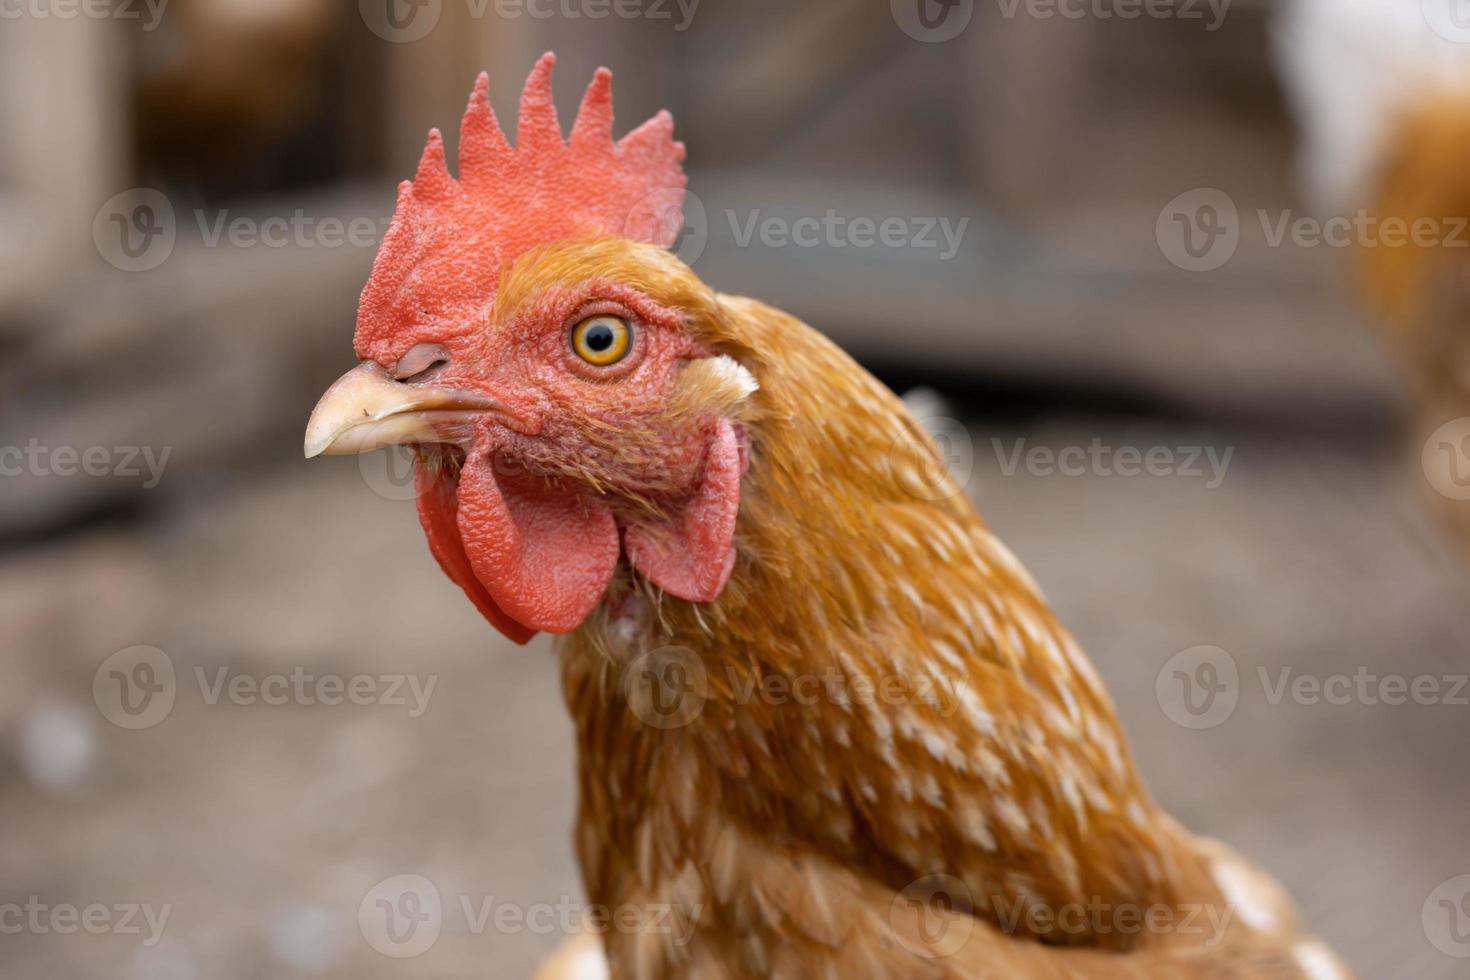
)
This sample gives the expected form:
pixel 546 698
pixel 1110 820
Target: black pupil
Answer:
pixel 599 337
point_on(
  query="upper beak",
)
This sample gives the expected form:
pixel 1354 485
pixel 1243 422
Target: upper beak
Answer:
pixel 366 409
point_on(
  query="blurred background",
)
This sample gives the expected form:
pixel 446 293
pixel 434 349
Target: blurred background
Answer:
pixel 1098 235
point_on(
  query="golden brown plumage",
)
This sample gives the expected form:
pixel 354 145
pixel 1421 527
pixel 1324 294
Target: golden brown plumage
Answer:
pixel 1421 286
pixel 781 811
pixel 1382 93
pixel 827 725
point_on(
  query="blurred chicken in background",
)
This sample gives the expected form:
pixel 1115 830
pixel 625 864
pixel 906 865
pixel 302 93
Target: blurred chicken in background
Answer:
pixel 223 77
pixel 1381 89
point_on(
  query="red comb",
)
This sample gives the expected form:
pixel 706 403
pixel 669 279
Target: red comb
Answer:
pixel 451 240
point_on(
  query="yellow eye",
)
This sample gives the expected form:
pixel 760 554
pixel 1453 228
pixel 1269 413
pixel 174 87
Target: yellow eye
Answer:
pixel 602 340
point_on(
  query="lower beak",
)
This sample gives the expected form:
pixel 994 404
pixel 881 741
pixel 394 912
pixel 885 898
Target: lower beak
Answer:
pixel 366 409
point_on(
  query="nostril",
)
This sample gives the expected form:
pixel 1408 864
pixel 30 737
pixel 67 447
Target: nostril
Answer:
pixel 421 362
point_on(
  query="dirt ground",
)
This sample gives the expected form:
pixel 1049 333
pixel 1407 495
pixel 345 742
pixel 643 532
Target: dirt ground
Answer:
pixel 261 829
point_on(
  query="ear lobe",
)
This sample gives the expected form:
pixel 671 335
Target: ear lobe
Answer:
pixel 691 554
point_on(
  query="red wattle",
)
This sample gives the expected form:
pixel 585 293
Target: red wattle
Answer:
pixel 437 513
pixel 544 553
pixel 692 554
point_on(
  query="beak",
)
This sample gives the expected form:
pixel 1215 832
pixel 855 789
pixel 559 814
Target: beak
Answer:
pixel 366 409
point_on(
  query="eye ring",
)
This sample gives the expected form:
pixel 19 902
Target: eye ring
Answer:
pixel 602 340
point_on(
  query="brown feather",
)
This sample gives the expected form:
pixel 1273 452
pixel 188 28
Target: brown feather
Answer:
pixel 785 815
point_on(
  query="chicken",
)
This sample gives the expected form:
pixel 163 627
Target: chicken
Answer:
pixel 1381 89
pixel 227 78
pixel 827 726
